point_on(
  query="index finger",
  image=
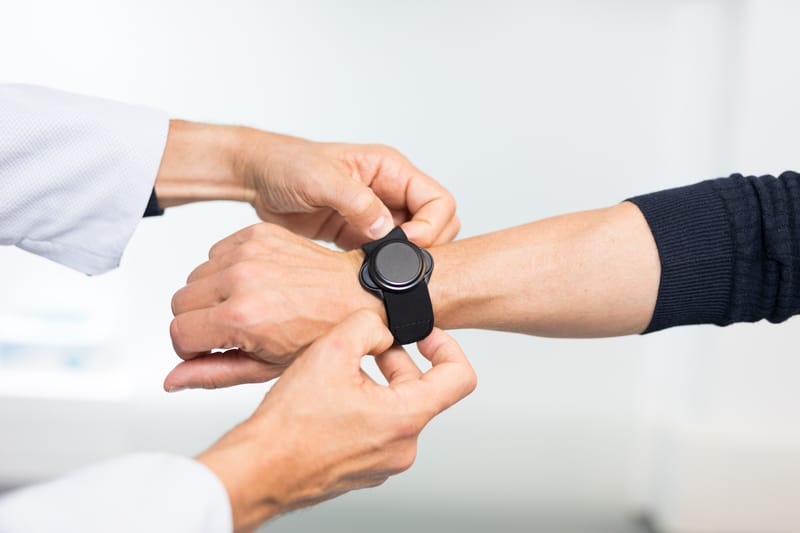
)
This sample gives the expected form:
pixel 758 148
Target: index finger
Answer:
pixel 450 379
pixel 396 366
pixel 199 331
pixel 432 209
pixel 402 186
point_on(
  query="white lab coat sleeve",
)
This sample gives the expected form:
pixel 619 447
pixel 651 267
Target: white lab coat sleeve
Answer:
pixel 143 492
pixel 76 173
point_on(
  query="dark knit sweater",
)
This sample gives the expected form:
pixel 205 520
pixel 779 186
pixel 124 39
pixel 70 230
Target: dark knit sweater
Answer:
pixel 729 250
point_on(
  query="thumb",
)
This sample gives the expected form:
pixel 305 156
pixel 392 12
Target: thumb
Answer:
pixel 217 370
pixel 360 207
pixel 361 333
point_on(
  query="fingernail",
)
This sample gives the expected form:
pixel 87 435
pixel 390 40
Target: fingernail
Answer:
pixel 379 228
pixel 175 389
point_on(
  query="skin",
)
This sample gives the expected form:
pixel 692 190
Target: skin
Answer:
pixel 343 193
pixel 282 304
pixel 327 428
pixel 268 293
pixel 352 432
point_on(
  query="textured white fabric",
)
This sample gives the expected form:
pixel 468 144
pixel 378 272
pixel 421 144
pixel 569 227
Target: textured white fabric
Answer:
pixel 75 176
pixel 75 173
pixel 144 492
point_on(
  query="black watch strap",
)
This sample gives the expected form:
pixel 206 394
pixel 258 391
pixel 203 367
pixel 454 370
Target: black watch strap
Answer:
pixel 410 314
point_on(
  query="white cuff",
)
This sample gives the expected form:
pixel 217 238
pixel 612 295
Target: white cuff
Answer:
pixel 76 173
pixel 150 492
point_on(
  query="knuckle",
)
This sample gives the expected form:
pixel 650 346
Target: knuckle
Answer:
pixel 195 274
pixel 248 249
pixel 175 303
pixel 174 330
pixel 387 150
pixel 211 381
pixel 449 202
pixel 241 272
pixel 363 201
pixel 376 482
pixel 262 231
pixel 406 427
pixel 367 317
pixel 213 251
pixel 176 336
pixel 470 381
pixel 405 458
pixel 250 232
pixel 338 344
pixel 240 311
pixel 370 324
pixel 456 226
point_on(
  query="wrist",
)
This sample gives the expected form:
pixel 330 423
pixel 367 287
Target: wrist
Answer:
pixel 461 293
pixel 446 288
pixel 442 287
pixel 251 474
pixel 365 299
pixel 200 162
pixel 261 156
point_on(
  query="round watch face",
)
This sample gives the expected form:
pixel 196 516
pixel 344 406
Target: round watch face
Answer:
pixel 397 265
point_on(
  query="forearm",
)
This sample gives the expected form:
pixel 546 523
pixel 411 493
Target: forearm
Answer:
pixel 204 162
pixel 716 252
pixel 588 274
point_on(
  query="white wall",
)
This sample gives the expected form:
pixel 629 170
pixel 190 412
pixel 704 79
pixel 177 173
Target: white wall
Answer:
pixel 725 441
pixel 523 110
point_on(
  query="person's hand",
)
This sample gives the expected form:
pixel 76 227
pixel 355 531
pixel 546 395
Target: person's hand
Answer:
pixel 327 428
pixel 266 292
pixel 343 193
pixel 348 193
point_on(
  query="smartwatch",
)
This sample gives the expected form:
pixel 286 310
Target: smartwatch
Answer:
pixel 397 271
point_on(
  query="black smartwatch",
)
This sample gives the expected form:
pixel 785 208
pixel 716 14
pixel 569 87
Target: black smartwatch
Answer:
pixel 398 271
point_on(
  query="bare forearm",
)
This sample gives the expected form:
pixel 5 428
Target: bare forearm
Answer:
pixel 210 162
pixel 587 274
pixel 198 164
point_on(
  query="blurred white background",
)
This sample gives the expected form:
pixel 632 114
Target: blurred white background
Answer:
pixel 523 110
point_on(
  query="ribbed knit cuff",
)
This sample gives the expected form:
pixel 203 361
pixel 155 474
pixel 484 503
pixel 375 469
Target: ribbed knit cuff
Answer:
pixel 693 234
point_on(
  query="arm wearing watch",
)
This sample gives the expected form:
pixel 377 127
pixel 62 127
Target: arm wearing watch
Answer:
pixel 718 252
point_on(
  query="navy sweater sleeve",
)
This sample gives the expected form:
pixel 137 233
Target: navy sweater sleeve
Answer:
pixel 729 250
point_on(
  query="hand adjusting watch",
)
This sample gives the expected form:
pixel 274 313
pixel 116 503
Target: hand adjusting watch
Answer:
pixel 398 271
